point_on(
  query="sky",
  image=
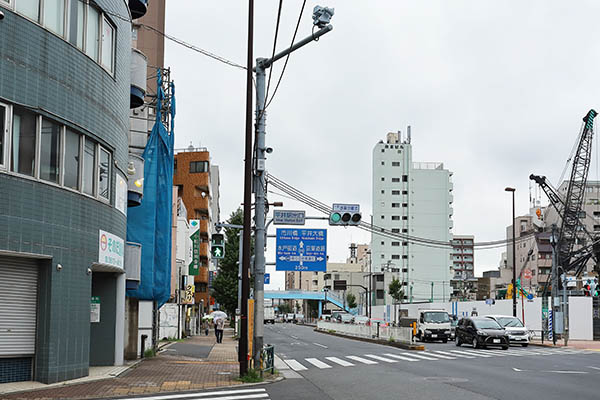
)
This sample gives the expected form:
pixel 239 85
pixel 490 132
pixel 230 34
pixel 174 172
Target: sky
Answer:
pixel 494 90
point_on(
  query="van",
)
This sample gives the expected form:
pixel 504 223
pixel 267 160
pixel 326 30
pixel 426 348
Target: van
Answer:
pixel 433 325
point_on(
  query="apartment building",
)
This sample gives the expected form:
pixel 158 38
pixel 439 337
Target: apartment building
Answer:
pixel 463 280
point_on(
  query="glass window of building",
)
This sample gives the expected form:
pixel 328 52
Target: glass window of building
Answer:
pixel 23 142
pixel 3 131
pixel 89 161
pixel 54 16
pixel 71 161
pixel 108 34
pixel 29 8
pixel 93 32
pixel 198 166
pixel 76 23
pixel 104 175
pixel 50 150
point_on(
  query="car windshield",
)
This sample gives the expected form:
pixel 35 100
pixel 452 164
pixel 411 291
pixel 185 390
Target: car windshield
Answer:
pixel 486 324
pixel 436 317
pixel 510 322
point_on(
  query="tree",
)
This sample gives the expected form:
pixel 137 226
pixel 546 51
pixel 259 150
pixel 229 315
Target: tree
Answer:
pixel 351 300
pixel 396 290
pixel 284 308
pixel 225 284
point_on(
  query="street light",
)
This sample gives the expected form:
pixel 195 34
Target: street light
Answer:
pixel 514 255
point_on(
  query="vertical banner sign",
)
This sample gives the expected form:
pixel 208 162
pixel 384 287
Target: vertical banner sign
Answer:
pixel 95 309
pixel 194 267
pixel 250 326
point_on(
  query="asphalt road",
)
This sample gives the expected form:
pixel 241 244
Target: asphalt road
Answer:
pixel 321 366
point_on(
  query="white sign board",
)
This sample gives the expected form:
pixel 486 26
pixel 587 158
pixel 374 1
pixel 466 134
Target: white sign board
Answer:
pixel 111 249
pixel 351 208
pixel 121 194
pixel 95 309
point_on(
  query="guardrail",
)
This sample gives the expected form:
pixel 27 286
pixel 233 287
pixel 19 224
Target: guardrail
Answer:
pixel 375 331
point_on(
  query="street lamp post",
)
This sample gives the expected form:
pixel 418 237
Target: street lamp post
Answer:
pixel 514 255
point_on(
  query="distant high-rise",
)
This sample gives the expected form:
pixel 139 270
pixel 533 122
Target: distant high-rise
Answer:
pixel 411 199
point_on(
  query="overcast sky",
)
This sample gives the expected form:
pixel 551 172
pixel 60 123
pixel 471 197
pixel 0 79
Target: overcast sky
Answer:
pixel 493 89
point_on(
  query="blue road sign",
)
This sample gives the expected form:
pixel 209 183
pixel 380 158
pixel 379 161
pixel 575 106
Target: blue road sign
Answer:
pixel 301 250
pixel 267 278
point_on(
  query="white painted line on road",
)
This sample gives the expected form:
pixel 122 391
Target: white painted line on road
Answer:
pixel 279 364
pixel 454 355
pixel 468 353
pixel 568 372
pixel 362 360
pixel 295 337
pixel 295 365
pixel 321 345
pixel 499 353
pixel 400 357
pixel 421 357
pixel 317 363
pixel 439 355
pixel 475 353
pixel 387 360
pixel 340 361
pixel 248 392
pixel 597 368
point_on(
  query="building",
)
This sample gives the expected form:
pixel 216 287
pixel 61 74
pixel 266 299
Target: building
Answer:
pixel 463 280
pixel 64 121
pixel 411 200
pixel 196 187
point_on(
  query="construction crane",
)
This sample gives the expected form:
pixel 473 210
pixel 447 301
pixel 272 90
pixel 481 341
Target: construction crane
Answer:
pixel 569 207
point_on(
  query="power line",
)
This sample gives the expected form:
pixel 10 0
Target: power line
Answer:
pixel 273 54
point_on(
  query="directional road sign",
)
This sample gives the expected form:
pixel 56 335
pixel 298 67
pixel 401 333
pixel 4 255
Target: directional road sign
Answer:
pixel 267 278
pixel 301 250
pixel 288 217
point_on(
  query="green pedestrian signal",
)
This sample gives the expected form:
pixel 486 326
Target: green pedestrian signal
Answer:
pixel 217 248
pixel 335 217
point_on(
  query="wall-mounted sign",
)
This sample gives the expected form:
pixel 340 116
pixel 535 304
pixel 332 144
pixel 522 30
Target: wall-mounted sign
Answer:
pixel 95 309
pixel 194 267
pixel 187 295
pixel 121 194
pixel 111 249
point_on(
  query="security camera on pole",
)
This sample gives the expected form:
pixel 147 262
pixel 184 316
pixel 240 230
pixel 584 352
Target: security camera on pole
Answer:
pixel 321 18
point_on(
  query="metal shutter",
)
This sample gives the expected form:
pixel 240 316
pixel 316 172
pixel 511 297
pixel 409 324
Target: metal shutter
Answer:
pixel 18 304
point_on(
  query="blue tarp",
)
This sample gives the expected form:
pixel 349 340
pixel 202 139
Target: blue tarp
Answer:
pixel 150 223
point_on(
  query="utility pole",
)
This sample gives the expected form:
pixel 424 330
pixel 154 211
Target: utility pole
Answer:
pixel 554 293
pixel 321 16
pixel 243 342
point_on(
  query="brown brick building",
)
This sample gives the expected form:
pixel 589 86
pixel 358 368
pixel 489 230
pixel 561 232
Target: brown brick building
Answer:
pixel 192 178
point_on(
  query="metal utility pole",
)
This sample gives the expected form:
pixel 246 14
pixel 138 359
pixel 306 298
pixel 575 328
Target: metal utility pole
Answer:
pixel 243 342
pixel 554 293
pixel 322 16
pixel 514 254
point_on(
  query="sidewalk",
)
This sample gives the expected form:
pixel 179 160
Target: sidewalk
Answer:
pixel 572 344
pixel 169 371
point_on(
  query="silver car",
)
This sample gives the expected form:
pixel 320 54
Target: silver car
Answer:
pixel 517 332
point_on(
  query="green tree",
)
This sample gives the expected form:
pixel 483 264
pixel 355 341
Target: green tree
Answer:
pixel 225 284
pixel 396 290
pixel 351 300
pixel 284 308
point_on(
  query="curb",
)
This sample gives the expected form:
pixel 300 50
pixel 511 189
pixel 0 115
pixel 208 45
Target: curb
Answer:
pixel 416 347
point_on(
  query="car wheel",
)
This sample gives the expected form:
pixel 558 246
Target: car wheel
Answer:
pixel 525 344
pixel 475 343
pixel 504 347
pixel 458 342
pixel 444 340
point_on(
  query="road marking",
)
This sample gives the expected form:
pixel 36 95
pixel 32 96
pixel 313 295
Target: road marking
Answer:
pixel 399 357
pixel 340 361
pixel 295 337
pixel 295 365
pixel 421 357
pixel 387 360
pixel 362 360
pixel 568 372
pixel 321 345
pixel 440 356
pixel 499 353
pixel 596 368
pixel 477 353
pixel 249 394
pixel 317 363
pixel 455 355
pixel 518 370
pixel 468 353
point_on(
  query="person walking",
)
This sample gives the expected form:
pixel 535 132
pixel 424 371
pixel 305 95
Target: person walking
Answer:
pixel 219 327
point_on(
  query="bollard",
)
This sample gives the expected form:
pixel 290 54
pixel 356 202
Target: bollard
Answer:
pixel 144 337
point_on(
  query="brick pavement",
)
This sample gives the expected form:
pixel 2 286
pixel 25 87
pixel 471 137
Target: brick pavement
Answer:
pixel 576 344
pixel 163 373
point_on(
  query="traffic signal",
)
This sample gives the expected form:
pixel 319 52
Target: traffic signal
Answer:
pixel 587 288
pixel 217 248
pixel 344 218
pixel 594 290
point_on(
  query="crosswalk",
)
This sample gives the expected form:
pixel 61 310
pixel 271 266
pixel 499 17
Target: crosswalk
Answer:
pixel 424 356
pixel 237 394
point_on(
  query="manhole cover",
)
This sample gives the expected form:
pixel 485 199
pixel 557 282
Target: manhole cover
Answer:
pixel 444 379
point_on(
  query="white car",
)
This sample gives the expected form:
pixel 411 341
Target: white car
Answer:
pixel 361 320
pixel 517 332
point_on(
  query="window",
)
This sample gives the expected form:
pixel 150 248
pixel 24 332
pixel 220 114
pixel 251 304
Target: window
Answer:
pixel 379 278
pixel 379 294
pixel 71 161
pixel 23 142
pixel 395 218
pixel 395 180
pixel 50 149
pixel 395 205
pixel 104 175
pixel 405 218
pixel 198 166
pixel 395 256
pixel 382 217
pixel 404 204
pixel 395 243
pixel 404 178
pixel 382 256
pixel 76 23
pixel 382 243
pixel 93 30
pixel 405 192
pixel 395 192
pixel 3 131
pixel 382 179
pixel 383 192
pixel 395 163
pixel 404 257
pixel 54 15
pixel 29 8
pixel 404 243
pixel 108 34
pixel 89 160
pixel 395 230
pixel 383 163
pixel 404 230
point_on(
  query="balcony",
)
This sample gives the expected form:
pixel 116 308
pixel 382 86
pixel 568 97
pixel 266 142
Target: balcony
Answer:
pixel 138 75
pixel 138 8
pixel 133 264
pixel 135 183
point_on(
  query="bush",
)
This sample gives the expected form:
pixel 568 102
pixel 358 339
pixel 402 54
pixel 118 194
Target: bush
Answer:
pixel 149 353
pixel 252 376
pixel 391 339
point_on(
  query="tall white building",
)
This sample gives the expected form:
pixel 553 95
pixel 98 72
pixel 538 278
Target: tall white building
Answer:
pixel 413 199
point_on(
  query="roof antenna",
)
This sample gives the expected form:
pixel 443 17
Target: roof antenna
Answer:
pixel 408 134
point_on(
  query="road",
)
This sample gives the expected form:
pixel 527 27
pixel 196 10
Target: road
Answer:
pixel 321 366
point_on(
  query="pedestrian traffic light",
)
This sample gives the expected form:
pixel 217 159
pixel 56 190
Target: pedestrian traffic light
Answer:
pixel 594 290
pixel 217 248
pixel 344 218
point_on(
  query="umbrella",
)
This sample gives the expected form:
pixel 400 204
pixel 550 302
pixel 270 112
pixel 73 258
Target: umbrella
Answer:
pixel 206 317
pixel 218 314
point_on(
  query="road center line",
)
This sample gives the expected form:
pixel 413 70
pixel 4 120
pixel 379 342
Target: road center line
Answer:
pixel 321 345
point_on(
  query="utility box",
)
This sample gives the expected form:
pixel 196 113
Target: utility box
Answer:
pixel 558 321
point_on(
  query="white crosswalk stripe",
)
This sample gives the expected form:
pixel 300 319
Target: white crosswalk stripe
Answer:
pixel 476 354
pixel 400 357
pixel 295 365
pixel 240 394
pixel 387 360
pixel 420 356
pixel 317 363
pixel 453 354
pixel 362 360
pixel 439 356
pixel 340 361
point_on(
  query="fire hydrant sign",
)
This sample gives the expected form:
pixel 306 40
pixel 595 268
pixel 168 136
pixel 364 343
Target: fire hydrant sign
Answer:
pixel 111 249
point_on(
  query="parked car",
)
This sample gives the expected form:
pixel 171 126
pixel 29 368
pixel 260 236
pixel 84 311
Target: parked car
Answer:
pixel 481 332
pixel 433 325
pixel 517 332
pixel 361 320
pixel 343 318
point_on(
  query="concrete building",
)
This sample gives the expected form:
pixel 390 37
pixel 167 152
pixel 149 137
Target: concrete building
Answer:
pixel 64 107
pixel 411 199
pixel 463 280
